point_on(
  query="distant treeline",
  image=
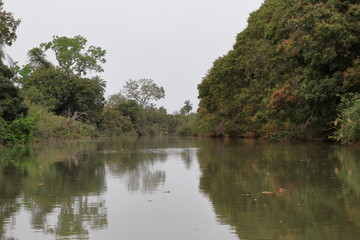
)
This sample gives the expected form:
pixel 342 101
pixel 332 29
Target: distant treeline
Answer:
pixel 293 73
pixel 43 100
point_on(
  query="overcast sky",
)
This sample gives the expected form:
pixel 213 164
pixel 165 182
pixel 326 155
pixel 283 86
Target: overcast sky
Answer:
pixel 173 42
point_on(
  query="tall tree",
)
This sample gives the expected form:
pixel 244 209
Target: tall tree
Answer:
pixel 8 26
pixel 143 91
pixel 63 87
pixel 37 58
pixel 10 99
pixel 186 109
pixel 286 72
pixel 72 55
pixel 54 89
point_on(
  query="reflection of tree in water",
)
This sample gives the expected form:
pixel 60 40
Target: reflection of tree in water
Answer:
pixel 66 183
pixel 61 185
pixel 144 179
pixel 186 156
pixel 138 169
pixel 12 174
pixel 283 191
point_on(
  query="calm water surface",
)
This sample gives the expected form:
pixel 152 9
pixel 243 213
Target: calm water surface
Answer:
pixel 181 189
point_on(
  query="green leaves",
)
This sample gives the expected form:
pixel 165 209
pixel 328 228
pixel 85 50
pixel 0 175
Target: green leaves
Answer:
pixel 74 57
pixel 8 26
pixel 63 88
pixel 143 91
pixel 300 55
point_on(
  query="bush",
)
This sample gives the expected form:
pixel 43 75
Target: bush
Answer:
pixel 113 123
pixel 348 121
pixel 50 126
pixel 18 131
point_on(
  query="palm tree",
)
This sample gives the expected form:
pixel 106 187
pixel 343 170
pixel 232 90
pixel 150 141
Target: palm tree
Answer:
pixel 2 53
pixel 4 56
pixel 37 58
pixel 186 108
pixel 100 82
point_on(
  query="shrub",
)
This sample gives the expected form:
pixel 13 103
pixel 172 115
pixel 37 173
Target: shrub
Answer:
pixel 348 121
pixel 113 123
pixel 18 131
pixel 51 126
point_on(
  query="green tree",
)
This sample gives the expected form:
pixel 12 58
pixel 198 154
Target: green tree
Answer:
pixel 37 58
pixel 114 100
pixel 11 101
pixel 8 26
pixel 114 123
pixel 143 91
pixel 186 109
pixel 62 88
pixel 286 72
pixel 63 94
pixel 73 57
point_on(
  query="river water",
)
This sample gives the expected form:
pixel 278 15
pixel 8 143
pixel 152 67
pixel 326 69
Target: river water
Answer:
pixel 180 189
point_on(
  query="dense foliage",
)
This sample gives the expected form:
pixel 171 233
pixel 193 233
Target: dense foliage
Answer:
pixel 127 115
pixel 8 26
pixel 293 73
pixel 286 74
pixel 143 91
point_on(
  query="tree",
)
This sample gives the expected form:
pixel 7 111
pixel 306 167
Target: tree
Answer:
pixel 10 99
pixel 37 58
pixel 63 88
pixel 131 109
pixel 143 91
pixel 115 100
pixel 186 109
pixel 286 72
pixel 11 105
pixel 8 26
pixel 73 57
pixel 60 93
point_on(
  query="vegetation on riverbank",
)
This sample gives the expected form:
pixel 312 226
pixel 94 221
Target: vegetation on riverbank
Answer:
pixel 293 73
pixel 44 100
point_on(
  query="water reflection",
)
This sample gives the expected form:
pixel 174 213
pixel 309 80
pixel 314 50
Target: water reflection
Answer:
pixel 282 191
pixel 263 191
pixel 48 181
pixel 63 186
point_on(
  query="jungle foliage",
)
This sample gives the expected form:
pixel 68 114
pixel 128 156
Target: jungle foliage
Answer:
pixel 287 73
pixel 135 113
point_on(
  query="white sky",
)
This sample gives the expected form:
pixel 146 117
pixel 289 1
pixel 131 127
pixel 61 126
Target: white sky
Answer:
pixel 173 42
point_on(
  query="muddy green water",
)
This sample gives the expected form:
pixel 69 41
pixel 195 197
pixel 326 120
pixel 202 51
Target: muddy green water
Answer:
pixel 180 189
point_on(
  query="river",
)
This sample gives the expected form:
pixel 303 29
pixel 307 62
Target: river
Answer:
pixel 174 188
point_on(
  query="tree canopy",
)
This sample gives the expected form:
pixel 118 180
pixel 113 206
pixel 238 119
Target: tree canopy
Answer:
pixel 10 98
pixel 8 26
pixel 72 55
pixel 186 109
pixel 287 71
pixel 143 91
pixel 63 88
pixel 11 101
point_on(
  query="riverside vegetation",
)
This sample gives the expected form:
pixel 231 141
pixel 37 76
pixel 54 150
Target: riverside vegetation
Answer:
pixel 293 73
pixel 44 100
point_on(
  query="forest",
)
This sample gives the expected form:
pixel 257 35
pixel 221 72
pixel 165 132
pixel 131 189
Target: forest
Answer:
pixel 293 74
pixel 45 100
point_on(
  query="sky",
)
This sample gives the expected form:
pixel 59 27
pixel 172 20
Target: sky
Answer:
pixel 173 42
